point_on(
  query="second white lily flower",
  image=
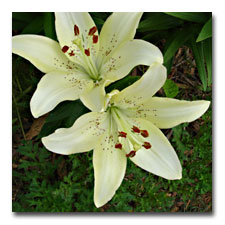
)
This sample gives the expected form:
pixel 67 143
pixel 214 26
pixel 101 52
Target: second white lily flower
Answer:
pixel 83 63
pixel 129 127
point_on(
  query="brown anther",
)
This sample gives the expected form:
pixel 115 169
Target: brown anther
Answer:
pixel 136 129
pixel 87 52
pixel 76 30
pixel 122 134
pixel 92 31
pixel 131 154
pixel 95 39
pixel 65 48
pixel 118 145
pixel 71 53
pixel 144 133
pixel 147 145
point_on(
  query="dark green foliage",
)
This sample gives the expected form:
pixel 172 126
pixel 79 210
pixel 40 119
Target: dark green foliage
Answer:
pixel 198 17
pixel 197 49
pixel 49 25
pixel 48 182
pixel 123 83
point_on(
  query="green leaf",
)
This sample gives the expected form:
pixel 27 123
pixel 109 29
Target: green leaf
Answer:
pixel 123 83
pixel 49 25
pixel 170 88
pixel 199 17
pixel 178 39
pixel 158 21
pixel 34 27
pixel 63 116
pixel 207 50
pixel 206 31
pixel 197 49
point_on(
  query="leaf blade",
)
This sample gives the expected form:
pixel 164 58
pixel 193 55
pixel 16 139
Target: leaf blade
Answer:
pixel 197 49
pixel 206 31
pixel 198 17
pixel 49 25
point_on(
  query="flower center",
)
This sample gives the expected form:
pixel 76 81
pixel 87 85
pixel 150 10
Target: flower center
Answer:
pixel 129 135
pixel 83 50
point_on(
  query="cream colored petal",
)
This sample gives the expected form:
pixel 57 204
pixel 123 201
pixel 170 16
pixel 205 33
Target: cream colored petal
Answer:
pixel 160 159
pixel 129 55
pixel 65 22
pixel 143 89
pixel 42 52
pixel 109 170
pixel 56 87
pixel 168 112
pixel 83 136
pixel 118 28
pixel 94 98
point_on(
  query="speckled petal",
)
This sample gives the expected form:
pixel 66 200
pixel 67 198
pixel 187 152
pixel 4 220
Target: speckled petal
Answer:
pixel 118 28
pixel 109 169
pixel 143 89
pixel 129 55
pixel 42 52
pixel 83 136
pixel 160 159
pixel 56 87
pixel 167 112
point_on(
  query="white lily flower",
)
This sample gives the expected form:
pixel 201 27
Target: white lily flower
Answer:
pixel 83 63
pixel 129 127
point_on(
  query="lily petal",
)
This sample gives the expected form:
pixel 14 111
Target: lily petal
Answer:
pixel 94 97
pixel 42 52
pixel 129 55
pixel 83 136
pixel 137 93
pixel 65 22
pixel 167 112
pixel 118 28
pixel 160 159
pixel 56 87
pixel 109 170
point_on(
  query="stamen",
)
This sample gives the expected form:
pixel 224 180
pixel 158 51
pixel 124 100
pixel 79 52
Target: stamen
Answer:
pixel 65 48
pixel 118 145
pixel 72 53
pixel 136 129
pixel 147 145
pixel 144 133
pixel 131 154
pixel 92 31
pixel 122 134
pixel 95 39
pixel 76 30
pixel 87 52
